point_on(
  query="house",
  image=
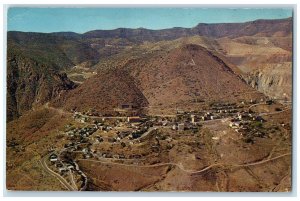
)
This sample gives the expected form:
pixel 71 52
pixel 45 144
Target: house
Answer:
pixel 126 106
pixel 179 111
pixel 83 120
pixel 62 170
pixel 165 123
pixel 53 158
pixel 70 166
pixel 87 155
pixel 234 124
pixel 181 126
pixel 99 139
pixel 85 150
pixel 134 119
pixel 193 119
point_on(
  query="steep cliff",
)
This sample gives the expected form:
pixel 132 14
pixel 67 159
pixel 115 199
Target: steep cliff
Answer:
pixel 273 80
pixel 31 83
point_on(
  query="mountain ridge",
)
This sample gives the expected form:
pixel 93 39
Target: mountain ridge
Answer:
pixel 203 29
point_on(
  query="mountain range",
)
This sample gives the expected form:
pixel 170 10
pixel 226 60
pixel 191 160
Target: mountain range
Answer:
pixel 156 68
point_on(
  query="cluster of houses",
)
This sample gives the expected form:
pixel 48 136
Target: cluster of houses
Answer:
pixel 110 155
pixel 243 124
pixel 209 116
pixel 182 121
pixel 83 132
pixel 64 166
pixel 185 126
pixel 137 126
pixel 80 118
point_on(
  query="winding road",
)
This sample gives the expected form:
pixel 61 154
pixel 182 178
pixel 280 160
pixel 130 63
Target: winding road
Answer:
pixel 73 187
pixel 57 176
pixel 180 166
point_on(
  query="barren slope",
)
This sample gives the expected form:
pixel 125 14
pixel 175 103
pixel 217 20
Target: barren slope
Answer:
pixel 102 93
pixel 188 74
pixel 265 61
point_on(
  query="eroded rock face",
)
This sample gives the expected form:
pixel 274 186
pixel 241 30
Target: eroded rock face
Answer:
pixel 31 83
pixel 274 80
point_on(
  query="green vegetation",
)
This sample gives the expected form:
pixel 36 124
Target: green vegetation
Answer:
pixel 256 124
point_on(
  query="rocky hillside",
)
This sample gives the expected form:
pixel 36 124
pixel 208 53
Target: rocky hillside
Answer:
pixel 31 83
pixel 163 71
pixel 103 93
pixel 62 51
pixel 188 74
pixel 266 62
pixel 36 63
pixel 273 80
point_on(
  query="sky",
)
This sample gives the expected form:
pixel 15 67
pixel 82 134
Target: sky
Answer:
pixel 81 20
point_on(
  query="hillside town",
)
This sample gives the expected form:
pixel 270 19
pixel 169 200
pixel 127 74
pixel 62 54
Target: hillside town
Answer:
pixel 191 99
pixel 94 138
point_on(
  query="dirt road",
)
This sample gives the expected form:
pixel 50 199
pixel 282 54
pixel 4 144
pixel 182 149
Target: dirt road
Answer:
pixel 57 176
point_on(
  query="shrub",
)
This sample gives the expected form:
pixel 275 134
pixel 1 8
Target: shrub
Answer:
pixel 257 124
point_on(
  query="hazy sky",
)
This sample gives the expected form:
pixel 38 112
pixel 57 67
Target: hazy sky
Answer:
pixel 81 20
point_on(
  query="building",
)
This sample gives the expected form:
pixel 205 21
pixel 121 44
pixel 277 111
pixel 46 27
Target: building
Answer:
pixel 134 119
pixel 85 150
pixel 193 119
pixel 181 127
pixel 179 111
pixel 126 106
pixel 235 124
pixel 53 158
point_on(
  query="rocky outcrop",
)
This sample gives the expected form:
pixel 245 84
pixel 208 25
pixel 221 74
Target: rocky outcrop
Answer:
pixel 31 83
pixel 273 80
